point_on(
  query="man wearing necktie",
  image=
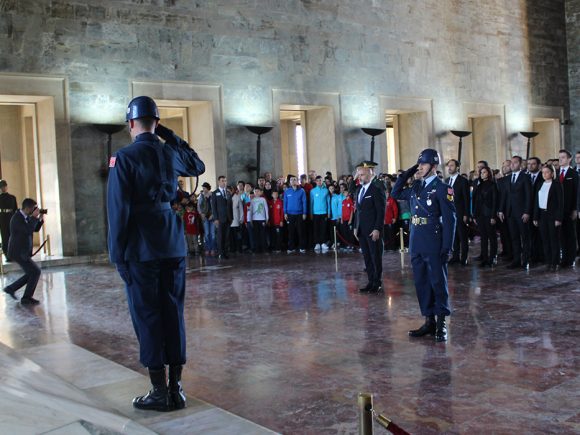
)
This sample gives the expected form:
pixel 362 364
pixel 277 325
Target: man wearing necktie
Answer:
pixel 568 178
pixel 461 198
pixel 221 206
pixel 24 223
pixel 536 180
pixel 432 233
pixel 516 209
pixel 371 203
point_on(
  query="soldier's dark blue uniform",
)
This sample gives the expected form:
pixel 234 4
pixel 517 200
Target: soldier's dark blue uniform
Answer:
pixel 432 232
pixel 146 238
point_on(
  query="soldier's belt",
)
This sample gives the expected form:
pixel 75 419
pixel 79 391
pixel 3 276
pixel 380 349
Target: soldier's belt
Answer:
pixel 416 220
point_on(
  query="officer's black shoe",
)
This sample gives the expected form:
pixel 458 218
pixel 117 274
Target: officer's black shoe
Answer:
pixel 453 261
pixel 176 393
pixel 368 287
pixel 29 301
pixel 158 398
pixel 428 328
pixel 441 329
pixel 526 266
pixel 377 288
pixel 10 292
pixel 463 262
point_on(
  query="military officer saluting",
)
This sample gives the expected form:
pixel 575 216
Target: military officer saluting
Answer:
pixel 147 245
pixel 369 219
pixel 432 232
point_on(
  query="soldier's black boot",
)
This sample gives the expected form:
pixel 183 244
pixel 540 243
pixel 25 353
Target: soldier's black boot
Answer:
pixel 158 398
pixel 175 391
pixel 441 329
pixel 428 328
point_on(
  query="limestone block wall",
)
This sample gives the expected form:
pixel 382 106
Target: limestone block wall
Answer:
pixel 573 39
pixel 450 51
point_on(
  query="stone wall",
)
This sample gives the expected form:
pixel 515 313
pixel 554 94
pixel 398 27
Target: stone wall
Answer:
pixel 450 51
pixel 573 38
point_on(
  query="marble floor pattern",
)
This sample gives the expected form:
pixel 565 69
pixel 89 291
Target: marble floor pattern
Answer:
pixel 287 342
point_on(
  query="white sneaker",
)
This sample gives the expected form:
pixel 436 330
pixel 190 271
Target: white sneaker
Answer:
pixel 303 251
pixel 290 251
pixel 324 247
pixel 317 247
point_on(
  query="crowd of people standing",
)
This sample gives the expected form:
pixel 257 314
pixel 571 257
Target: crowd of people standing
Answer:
pixel 528 208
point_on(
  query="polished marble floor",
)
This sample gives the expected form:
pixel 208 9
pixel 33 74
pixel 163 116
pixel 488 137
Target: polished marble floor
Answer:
pixel 287 342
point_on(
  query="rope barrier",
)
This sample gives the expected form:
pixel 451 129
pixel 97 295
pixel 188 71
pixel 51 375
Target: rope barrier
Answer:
pixel 41 246
pixel 367 415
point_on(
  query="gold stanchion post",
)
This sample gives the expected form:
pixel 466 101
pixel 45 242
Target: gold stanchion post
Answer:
pixel 365 412
pixel 335 250
pixel 48 245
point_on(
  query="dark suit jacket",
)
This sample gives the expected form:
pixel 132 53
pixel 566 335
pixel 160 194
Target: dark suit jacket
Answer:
pixel 460 197
pixel 555 209
pixel 370 210
pixel 485 200
pixel 537 184
pixel 570 187
pixel 517 199
pixel 221 206
pixel 20 246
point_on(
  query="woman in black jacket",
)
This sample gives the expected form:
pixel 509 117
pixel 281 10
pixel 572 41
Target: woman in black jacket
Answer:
pixel 485 204
pixel 548 215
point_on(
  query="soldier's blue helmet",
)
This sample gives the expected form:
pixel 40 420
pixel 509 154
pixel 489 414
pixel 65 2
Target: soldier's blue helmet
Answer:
pixel 430 156
pixel 142 107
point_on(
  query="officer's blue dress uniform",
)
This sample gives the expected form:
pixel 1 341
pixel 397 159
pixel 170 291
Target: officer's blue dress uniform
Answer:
pixel 146 240
pixel 432 232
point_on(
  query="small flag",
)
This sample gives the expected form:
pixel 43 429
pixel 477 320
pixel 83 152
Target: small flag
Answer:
pixel 112 162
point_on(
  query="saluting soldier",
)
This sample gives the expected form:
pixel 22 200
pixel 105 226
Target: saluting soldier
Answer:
pixel 8 206
pixel 432 233
pixel 369 219
pixel 147 245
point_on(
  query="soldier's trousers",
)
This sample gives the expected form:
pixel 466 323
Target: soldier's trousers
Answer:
pixel 155 293
pixel 430 275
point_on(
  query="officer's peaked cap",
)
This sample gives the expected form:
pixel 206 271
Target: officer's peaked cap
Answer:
pixel 368 164
pixel 430 156
pixel 142 107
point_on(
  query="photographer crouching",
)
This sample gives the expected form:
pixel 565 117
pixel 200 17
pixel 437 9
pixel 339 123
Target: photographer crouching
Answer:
pixel 23 225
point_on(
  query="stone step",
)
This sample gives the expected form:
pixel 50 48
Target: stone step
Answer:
pixel 61 388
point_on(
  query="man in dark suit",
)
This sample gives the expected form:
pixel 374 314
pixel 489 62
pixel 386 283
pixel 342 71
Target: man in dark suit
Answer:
pixel 23 225
pixel 503 185
pixel 221 206
pixel 577 161
pixel 8 206
pixel 568 178
pixel 370 209
pixel 536 180
pixel 516 209
pixel 461 195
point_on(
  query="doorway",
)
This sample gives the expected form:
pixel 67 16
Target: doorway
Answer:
pixel 549 140
pixel 484 143
pixel 407 135
pixel 308 142
pixel 27 143
pixel 193 122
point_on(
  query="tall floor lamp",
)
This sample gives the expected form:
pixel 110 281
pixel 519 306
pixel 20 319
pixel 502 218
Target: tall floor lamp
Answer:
pixel 372 132
pixel 259 131
pixel 460 134
pixel 109 130
pixel 529 135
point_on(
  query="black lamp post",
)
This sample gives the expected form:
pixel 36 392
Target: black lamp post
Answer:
pixel 109 130
pixel 372 132
pixel 460 134
pixel 259 131
pixel 529 135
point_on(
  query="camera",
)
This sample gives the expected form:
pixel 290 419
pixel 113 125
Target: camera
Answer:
pixel 43 211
